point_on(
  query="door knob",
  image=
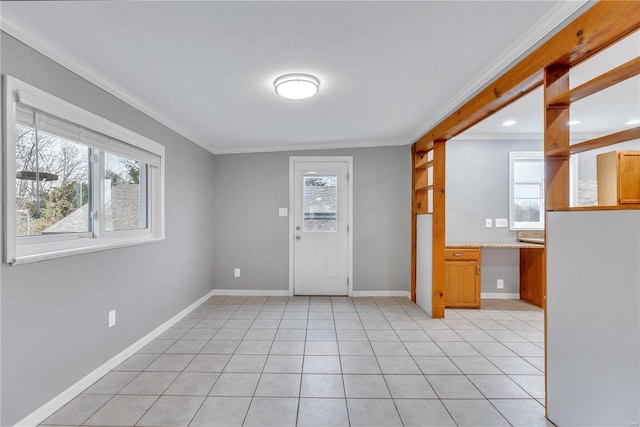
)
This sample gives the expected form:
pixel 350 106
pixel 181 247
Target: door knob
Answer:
pixel 298 237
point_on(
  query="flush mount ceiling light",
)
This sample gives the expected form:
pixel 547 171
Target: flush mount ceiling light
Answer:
pixel 296 86
pixel 633 122
pixel 574 122
pixel 509 123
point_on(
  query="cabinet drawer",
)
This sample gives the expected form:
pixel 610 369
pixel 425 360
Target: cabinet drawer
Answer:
pixel 452 254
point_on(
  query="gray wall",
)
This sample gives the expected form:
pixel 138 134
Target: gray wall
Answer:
pixel 477 174
pixel 251 187
pixel 54 313
pixel 593 318
pixel 500 264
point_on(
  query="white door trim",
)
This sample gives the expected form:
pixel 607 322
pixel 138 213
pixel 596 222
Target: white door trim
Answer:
pixel 320 159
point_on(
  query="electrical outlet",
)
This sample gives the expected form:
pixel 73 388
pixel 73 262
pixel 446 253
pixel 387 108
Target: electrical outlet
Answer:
pixel 501 223
pixel 500 284
pixel 112 318
pixel 488 223
pixel 236 272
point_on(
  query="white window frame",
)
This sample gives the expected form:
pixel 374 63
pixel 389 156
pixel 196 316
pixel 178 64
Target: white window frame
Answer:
pixel 513 157
pixel 25 249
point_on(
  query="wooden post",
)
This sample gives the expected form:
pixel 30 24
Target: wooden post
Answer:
pixel 556 136
pixel 438 241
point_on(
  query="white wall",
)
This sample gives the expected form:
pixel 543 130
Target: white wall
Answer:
pixel 593 318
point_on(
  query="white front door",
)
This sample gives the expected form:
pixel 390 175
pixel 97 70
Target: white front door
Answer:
pixel 320 227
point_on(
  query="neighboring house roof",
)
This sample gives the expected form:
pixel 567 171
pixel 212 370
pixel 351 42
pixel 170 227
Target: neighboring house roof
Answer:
pixel 122 212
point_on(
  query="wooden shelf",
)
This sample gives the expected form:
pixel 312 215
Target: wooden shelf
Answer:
pixel 629 206
pixel 592 144
pixel 608 79
pixel 421 160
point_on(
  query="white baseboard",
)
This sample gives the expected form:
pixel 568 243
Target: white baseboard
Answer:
pixel 405 294
pixel 275 293
pixel 491 295
pixel 42 413
pixel 251 292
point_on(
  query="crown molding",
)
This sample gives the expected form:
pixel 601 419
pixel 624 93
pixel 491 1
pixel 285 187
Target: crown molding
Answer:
pixel 332 145
pixel 543 29
pixel 16 28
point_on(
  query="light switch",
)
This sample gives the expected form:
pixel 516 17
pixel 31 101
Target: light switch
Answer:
pixel 283 211
pixel 488 223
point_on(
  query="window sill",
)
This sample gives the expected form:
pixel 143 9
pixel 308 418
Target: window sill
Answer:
pixel 102 245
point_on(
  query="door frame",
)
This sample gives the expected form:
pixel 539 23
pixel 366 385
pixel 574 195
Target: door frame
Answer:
pixel 320 159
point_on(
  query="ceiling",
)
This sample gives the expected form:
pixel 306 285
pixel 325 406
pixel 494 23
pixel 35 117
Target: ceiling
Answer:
pixel 389 71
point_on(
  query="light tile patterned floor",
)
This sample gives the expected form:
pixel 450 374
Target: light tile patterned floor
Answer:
pixel 321 361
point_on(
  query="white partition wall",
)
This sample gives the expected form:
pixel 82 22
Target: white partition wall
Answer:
pixel 424 262
pixel 593 318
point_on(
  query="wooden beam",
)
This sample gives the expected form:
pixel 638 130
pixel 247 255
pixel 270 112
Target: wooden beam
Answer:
pixel 556 137
pixel 602 25
pixel 438 242
pixel 424 146
pixel 603 81
pixel 592 144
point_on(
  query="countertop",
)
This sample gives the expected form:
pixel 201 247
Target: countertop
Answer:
pixel 506 245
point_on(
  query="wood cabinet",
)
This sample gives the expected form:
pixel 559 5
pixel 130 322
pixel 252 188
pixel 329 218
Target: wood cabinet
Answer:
pixel 533 276
pixel 462 278
pixel 618 177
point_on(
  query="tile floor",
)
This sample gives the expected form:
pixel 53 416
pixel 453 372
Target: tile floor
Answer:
pixel 277 361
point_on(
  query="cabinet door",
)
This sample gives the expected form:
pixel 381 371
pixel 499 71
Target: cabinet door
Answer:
pixel 462 284
pixel 532 275
pixel 629 177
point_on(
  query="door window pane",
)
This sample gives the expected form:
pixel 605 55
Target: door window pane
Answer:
pixel 320 203
pixel 125 193
pixel 52 184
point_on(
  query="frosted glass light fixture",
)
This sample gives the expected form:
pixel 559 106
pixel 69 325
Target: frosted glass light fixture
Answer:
pixel 296 86
pixel 633 122
pixel 509 123
pixel 574 122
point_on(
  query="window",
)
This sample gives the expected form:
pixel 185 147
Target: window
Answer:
pixel 526 190
pixel 320 203
pixel 75 182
